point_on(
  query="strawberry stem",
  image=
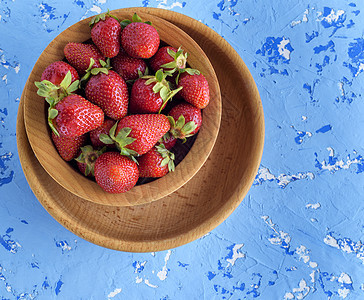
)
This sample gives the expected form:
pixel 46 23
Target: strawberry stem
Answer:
pixel 135 19
pixel 121 140
pixel 100 17
pixel 168 157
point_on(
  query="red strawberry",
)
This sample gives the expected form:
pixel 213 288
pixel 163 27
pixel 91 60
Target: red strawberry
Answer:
pixel 115 173
pixel 187 120
pixel 105 33
pixel 127 67
pixel 157 162
pixel 68 147
pixel 195 89
pixel 87 158
pixel 140 40
pixel 137 134
pixel 150 94
pixel 79 56
pixel 103 129
pixel 168 140
pixel 56 72
pixel 143 99
pixel 75 116
pixel 109 91
pixel 163 57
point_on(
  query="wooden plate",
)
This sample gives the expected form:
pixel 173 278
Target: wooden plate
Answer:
pixel 197 207
pixel 76 183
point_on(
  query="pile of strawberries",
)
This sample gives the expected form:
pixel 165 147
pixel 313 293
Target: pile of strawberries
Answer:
pixel 109 102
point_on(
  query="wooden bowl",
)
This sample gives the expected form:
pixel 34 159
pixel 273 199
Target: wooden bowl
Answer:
pixel 202 203
pixel 61 171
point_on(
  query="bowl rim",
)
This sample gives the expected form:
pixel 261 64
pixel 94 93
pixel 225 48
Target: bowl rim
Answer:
pixel 139 194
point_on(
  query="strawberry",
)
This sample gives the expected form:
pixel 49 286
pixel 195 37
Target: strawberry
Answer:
pixel 157 162
pixel 195 89
pixel 109 91
pixel 87 158
pixel 56 72
pixel 163 57
pixel 55 93
pixel 140 40
pixel 74 115
pixel 168 140
pixel 128 67
pixel 185 119
pixel 103 129
pixel 79 56
pixel 150 94
pixel 136 134
pixel 115 173
pixel 105 33
pixel 68 147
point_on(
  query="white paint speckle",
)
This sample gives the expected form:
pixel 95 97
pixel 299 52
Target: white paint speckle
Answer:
pixel 302 253
pixel 264 174
pixel 236 254
pixel 360 69
pixel 312 275
pixel 332 17
pixel 138 279
pixel 288 296
pixel 96 9
pixel 304 19
pixel 313 264
pixel 282 180
pixel 302 290
pixel 339 164
pixel 341 88
pixel 139 265
pixel 331 241
pixel 298 293
pixel 114 293
pixel 146 281
pixel 345 278
pixel 343 293
pixel 282 50
pixel 162 275
pixel 313 205
pixel 163 4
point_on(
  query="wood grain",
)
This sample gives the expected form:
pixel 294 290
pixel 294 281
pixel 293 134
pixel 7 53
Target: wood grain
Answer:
pixel 41 143
pixel 201 204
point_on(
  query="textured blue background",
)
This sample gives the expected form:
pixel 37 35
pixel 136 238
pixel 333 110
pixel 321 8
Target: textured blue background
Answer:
pixel 299 232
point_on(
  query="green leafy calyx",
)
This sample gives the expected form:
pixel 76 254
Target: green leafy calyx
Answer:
pixel 55 93
pixel 161 86
pixel 178 64
pixel 181 129
pixel 168 157
pixel 105 67
pixel 121 140
pixel 135 19
pixel 89 156
pixel 102 17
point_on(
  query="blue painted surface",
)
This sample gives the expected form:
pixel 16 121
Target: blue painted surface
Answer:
pixel 298 234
